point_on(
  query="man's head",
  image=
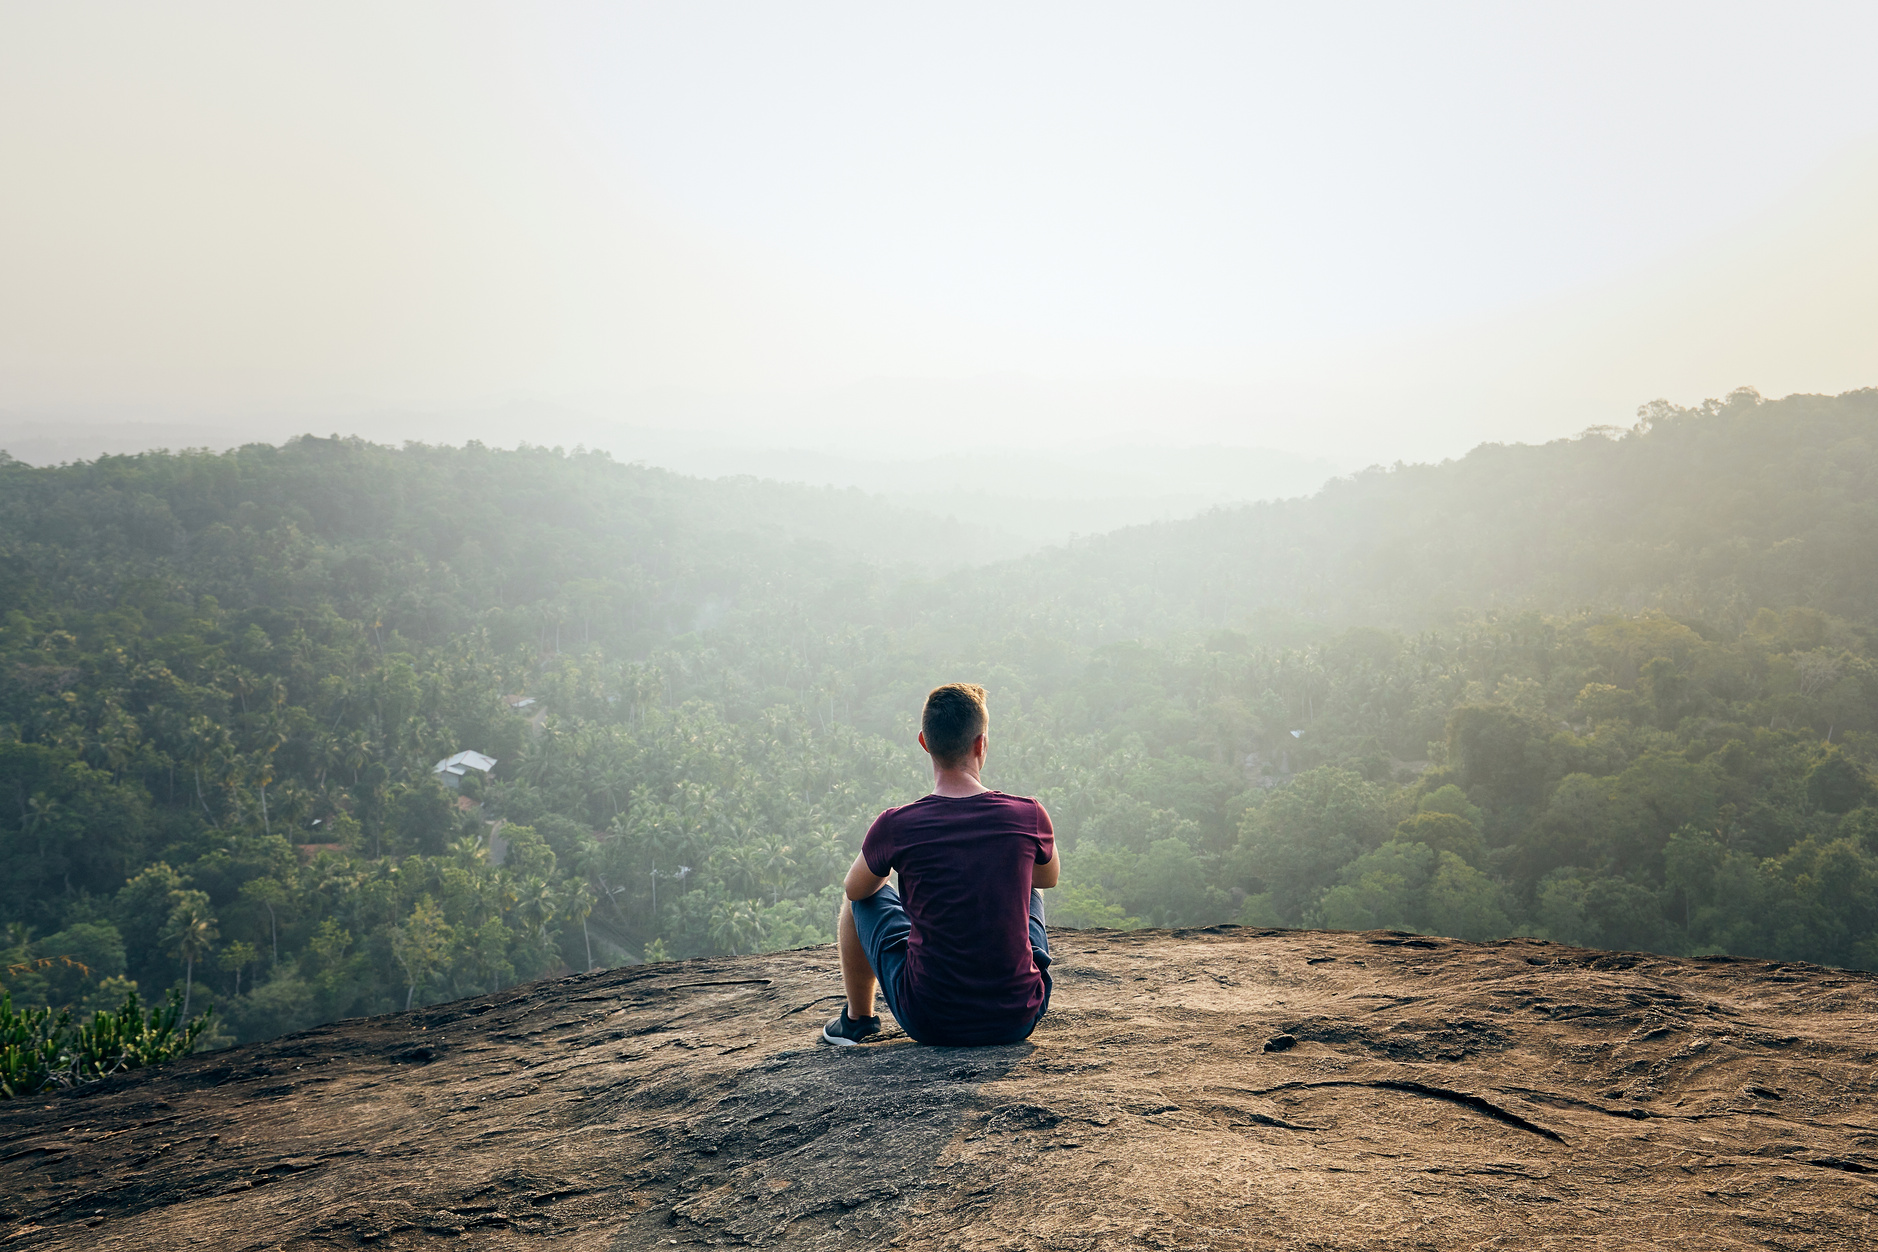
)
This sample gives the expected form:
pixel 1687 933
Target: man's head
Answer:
pixel 954 718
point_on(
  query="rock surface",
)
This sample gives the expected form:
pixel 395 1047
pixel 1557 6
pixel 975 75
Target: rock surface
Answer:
pixel 1222 1088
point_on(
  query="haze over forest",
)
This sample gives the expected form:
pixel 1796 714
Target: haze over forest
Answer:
pixel 1341 475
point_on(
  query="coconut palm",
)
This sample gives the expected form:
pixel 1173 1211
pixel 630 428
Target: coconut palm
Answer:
pixel 737 925
pixel 190 935
pixel 577 901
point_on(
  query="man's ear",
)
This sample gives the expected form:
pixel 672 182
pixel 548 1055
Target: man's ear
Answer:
pixel 922 743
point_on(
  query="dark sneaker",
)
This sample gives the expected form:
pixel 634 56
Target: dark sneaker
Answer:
pixel 847 1031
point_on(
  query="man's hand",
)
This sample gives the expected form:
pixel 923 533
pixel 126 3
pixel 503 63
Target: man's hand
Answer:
pixel 863 882
pixel 1045 875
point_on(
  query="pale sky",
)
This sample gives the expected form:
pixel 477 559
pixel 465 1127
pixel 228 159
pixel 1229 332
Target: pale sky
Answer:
pixel 1364 231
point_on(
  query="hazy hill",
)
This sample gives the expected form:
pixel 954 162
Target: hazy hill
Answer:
pixel 1003 501
pixel 422 540
pixel 1709 512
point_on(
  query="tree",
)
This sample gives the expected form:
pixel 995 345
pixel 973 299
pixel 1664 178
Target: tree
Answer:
pixel 421 946
pixel 1465 903
pixel 1449 798
pixel 1593 910
pixel 1086 906
pixel 422 819
pixel 1296 842
pixel 270 894
pixel 1169 886
pixel 736 926
pixel 1837 784
pixel 1444 832
pixel 538 903
pixel 236 957
pixel 1382 890
pixel 190 935
pixel 577 904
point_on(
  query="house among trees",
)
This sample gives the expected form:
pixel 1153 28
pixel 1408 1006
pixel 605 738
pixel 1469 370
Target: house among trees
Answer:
pixel 450 770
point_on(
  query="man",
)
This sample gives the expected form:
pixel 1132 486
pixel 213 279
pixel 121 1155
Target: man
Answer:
pixel 959 950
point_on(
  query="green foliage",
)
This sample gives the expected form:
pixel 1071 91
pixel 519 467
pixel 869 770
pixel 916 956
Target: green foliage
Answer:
pixel 1086 906
pixel 1449 798
pixel 1581 690
pixel 421 945
pixel 1836 784
pixel 1385 889
pixel 1444 832
pixel 1410 886
pixel 1599 911
pixel 1293 845
pixel 41 1050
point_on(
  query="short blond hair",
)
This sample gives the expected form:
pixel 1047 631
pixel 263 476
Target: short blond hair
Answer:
pixel 954 717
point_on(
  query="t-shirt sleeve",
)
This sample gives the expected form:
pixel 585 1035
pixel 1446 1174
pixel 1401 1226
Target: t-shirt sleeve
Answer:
pixel 878 848
pixel 1046 835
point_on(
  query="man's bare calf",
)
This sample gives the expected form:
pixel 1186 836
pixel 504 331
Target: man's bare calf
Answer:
pixel 857 976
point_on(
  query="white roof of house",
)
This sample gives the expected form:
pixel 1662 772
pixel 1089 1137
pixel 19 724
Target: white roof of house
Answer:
pixel 462 762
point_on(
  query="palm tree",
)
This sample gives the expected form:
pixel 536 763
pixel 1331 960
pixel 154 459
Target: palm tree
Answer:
pixel 578 902
pixel 777 862
pixel 268 892
pixel 736 925
pixel 190 935
pixel 469 851
pixel 538 903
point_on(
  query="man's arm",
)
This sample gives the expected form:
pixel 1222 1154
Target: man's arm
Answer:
pixel 1044 876
pixel 863 882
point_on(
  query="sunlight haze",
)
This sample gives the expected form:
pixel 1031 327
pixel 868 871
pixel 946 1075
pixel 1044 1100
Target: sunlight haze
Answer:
pixel 1355 232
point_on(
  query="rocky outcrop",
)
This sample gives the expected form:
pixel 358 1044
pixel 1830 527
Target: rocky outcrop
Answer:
pixel 1220 1089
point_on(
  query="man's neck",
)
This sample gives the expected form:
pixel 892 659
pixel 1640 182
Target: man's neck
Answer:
pixel 956 784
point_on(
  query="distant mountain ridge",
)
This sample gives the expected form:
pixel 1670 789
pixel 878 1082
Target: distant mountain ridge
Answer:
pixel 423 538
pixel 1706 512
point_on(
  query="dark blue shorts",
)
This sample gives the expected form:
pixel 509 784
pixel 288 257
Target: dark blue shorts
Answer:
pixel 882 923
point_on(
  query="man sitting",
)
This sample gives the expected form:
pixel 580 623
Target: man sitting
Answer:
pixel 959 949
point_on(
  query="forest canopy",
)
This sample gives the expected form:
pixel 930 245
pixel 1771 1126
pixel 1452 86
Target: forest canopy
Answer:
pixel 1618 691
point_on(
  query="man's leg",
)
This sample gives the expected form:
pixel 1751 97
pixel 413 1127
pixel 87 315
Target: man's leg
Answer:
pixel 870 936
pixel 857 976
pixel 1039 940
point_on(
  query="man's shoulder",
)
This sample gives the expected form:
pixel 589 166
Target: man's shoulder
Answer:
pixel 936 812
pixel 943 804
pixel 1022 802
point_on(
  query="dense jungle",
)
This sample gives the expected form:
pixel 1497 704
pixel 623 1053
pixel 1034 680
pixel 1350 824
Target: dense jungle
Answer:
pixel 1618 690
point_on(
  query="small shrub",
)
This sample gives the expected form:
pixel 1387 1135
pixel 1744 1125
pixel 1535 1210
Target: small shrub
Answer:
pixel 40 1052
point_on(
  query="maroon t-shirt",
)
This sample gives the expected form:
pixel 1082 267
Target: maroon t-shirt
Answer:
pixel 965 868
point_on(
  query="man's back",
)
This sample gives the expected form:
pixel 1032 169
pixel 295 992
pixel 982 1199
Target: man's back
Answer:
pixel 965 868
pixel 961 959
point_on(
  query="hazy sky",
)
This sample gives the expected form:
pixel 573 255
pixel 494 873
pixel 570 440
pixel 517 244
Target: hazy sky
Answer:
pixel 1368 230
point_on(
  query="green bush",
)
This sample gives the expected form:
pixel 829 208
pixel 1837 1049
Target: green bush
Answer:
pixel 39 1052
